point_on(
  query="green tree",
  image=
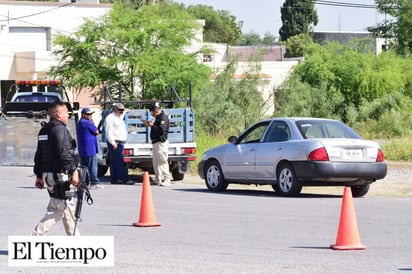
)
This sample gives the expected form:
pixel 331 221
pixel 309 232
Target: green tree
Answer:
pixel 295 45
pixel 399 27
pixel 268 39
pixel 369 92
pixel 297 17
pixel 254 39
pixel 220 26
pixel 134 49
pixel 228 105
pixel 250 39
pixel 297 98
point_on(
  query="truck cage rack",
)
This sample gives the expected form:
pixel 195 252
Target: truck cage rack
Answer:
pixel 107 100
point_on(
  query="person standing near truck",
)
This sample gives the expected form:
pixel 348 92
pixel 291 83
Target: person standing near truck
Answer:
pixel 159 130
pixel 116 136
pixel 55 167
pixel 87 145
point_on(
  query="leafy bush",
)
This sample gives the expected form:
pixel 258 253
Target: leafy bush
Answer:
pixel 228 106
pixel 371 93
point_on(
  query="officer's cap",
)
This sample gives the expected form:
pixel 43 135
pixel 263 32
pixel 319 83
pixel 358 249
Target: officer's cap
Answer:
pixel 155 106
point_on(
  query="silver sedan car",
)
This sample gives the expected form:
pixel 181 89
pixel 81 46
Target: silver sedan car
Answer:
pixel 289 153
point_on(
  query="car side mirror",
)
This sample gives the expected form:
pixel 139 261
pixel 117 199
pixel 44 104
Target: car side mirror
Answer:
pixel 76 105
pixel 232 139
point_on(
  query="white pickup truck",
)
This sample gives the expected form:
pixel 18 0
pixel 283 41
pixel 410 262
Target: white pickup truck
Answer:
pixel 138 148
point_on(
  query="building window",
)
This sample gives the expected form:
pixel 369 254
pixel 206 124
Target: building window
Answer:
pixel 31 38
pixel 207 58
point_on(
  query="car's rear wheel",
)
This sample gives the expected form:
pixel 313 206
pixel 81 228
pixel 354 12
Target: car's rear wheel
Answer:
pixel 287 184
pixel 214 178
pixel 359 191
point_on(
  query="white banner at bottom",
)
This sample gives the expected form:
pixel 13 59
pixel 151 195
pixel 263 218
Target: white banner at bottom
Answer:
pixel 54 251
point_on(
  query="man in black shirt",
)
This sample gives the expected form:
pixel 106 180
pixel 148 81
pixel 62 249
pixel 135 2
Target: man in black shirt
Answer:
pixel 56 168
pixel 158 135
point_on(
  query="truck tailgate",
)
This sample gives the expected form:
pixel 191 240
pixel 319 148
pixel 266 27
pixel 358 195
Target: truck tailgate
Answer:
pixel 18 139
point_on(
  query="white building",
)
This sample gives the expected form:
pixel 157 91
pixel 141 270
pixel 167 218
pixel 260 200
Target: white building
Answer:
pixel 27 29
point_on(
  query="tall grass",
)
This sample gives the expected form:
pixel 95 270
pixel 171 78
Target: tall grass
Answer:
pixel 205 141
pixel 397 149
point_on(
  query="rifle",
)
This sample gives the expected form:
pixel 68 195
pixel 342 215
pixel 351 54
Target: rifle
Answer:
pixel 82 192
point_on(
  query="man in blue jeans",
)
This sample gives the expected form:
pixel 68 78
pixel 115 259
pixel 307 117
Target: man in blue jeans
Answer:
pixel 116 136
pixel 87 143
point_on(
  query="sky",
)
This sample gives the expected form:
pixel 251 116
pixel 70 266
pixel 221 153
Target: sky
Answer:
pixel 261 16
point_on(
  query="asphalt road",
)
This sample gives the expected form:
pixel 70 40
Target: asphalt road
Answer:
pixel 244 230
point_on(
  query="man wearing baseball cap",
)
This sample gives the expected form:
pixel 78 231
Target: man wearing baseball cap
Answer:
pixel 88 147
pixel 158 134
pixel 116 135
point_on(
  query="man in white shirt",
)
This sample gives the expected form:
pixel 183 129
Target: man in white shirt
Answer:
pixel 116 136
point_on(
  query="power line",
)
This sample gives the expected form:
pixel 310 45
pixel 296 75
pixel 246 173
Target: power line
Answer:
pixel 344 4
pixel 34 14
pixel 335 4
pixel 37 25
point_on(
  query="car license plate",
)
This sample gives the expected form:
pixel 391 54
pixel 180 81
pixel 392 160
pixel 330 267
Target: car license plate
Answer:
pixel 352 154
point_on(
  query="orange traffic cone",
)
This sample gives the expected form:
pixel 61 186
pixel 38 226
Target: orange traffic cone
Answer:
pixel 348 235
pixel 147 215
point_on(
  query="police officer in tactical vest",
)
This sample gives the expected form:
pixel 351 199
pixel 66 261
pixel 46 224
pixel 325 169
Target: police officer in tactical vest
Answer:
pixel 55 167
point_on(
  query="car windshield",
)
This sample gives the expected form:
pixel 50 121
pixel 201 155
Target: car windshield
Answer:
pixel 254 133
pixel 325 129
pixel 36 98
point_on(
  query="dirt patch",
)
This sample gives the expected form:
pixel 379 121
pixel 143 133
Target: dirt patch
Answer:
pixel 398 181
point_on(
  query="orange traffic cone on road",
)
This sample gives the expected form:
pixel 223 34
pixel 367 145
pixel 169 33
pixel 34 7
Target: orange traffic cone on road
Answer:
pixel 348 235
pixel 147 215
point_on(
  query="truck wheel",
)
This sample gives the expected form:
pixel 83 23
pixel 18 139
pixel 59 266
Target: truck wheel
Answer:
pixel 177 176
pixel 101 170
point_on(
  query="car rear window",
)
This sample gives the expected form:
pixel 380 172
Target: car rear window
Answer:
pixel 325 129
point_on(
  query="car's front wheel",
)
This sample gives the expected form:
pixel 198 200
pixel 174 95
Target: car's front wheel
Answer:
pixel 214 177
pixel 359 191
pixel 287 184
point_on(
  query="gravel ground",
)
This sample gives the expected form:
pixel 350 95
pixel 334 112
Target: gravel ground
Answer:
pixel 398 181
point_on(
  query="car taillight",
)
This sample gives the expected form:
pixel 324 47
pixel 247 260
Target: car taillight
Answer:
pixel 380 157
pixel 319 154
pixel 190 150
